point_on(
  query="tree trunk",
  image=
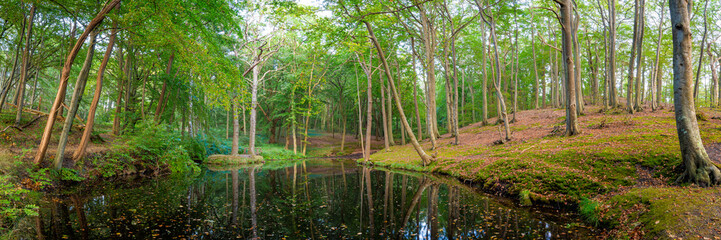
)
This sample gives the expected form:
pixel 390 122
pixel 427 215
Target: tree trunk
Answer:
pixel 484 88
pixel 24 68
pixel 697 166
pixel 10 79
pixel 700 56
pixel 639 55
pixel 75 102
pixel 577 64
pixel 45 141
pixel 253 113
pixel 236 129
pixel 568 33
pixel 389 117
pixel 415 94
pixel 158 109
pixel 342 138
pixel 499 95
pixel 535 67
pixel 383 114
pixel 227 122
pixel 613 93
pixel 655 99
pixel 714 79
pixel 426 159
pixel 369 112
pixel 80 153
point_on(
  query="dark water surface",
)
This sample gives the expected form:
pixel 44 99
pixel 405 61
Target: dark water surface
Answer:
pixel 303 200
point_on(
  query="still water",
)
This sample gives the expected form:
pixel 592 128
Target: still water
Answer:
pixel 301 200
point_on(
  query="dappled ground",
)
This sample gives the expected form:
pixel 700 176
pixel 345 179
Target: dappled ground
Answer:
pixel 328 144
pixel 23 142
pixel 618 157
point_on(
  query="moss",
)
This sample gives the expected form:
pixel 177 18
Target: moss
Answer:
pixel 233 160
pixel 525 198
pixel 663 212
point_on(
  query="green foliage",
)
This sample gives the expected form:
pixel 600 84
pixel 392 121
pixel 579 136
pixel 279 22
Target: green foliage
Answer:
pixel 196 148
pixel 40 177
pixel 277 152
pixel 589 210
pixel 67 174
pixel 179 161
pixel 13 203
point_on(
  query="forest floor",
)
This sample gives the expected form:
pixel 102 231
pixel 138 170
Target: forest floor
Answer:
pixel 619 173
pixel 21 143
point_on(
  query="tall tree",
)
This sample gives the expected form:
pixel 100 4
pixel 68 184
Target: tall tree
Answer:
pixel 75 102
pixel 65 74
pixel 566 19
pixel 697 166
pixel 80 152
pixel 24 67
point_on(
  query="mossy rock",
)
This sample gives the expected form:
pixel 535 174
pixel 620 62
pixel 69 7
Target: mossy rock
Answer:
pixel 233 160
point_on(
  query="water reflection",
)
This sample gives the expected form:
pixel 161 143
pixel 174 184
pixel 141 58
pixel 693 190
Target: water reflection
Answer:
pixel 304 200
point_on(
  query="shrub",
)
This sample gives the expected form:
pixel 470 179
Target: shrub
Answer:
pixel 178 160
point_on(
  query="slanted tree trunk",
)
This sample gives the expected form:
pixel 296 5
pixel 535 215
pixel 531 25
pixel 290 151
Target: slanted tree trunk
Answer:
pixel 10 79
pixel 24 68
pixel 65 74
pixel 159 109
pixel 568 33
pixel 697 166
pixel 426 159
pixel 75 102
pixel 80 152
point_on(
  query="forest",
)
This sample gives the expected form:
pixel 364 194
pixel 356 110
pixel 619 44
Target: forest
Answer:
pixel 599 118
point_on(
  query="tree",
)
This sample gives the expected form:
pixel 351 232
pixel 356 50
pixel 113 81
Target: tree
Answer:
pixel 503 116
pixel 45 141
pixel 24 67
pixel 80 152
pixel 696 164
pixel 566 20
pixel 75 102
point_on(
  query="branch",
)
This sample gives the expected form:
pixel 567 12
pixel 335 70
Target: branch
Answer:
pixel 543 40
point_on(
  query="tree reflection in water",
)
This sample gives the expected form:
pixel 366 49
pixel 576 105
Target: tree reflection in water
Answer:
pixel 302 200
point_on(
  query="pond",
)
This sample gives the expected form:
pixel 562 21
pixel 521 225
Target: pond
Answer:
pixel 325 199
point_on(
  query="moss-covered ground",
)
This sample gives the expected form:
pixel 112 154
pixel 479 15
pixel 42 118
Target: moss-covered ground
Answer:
pixel 621 169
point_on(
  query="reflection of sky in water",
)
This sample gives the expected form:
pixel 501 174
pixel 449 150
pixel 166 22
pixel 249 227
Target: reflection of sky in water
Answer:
pixel 327 201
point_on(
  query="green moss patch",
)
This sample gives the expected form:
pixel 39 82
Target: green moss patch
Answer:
pixel 223 160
